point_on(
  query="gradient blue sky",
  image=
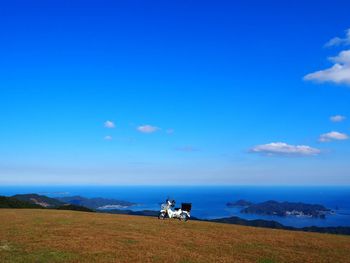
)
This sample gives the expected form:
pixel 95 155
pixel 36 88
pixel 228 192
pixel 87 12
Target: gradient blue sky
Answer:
pixel 222 85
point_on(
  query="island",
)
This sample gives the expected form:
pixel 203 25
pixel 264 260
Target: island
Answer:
pixel 275 208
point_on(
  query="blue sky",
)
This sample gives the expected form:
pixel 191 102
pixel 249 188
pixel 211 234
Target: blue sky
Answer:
pixel 175 92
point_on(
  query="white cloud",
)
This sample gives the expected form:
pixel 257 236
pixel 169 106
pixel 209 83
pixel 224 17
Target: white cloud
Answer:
pixel 147 129
pixel 108 138
pixel 339 41
pixel 339 73
pixel 281 148
pixel 337 118
pixel 109 124
pixel 333 136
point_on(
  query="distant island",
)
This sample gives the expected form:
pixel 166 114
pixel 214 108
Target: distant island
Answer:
pixel 272 207
pixel 96 203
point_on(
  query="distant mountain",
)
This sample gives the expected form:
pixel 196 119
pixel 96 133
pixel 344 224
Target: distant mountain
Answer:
pixel 287 208
pixel 257 223
pixel 96 203
pixel 10 202
pixel 340 230
pixel 35 201
pixel 77 203
pixel 41 200
pixel 273 224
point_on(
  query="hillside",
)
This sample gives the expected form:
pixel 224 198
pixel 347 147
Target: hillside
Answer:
pixel 31 235
pixel 10 202
pixel 95 203
pixel 33 201
pixel 41 200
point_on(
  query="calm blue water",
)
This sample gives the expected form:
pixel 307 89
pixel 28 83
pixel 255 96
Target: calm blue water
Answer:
pixel 210 202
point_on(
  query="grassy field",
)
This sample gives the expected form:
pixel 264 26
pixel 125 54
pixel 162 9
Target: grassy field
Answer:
pixel 65 236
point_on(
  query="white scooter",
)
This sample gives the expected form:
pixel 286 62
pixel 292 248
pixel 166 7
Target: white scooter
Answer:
pixel 182 213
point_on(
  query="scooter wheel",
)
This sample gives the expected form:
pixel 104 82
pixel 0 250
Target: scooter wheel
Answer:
pixel 161 216
pixel 183 217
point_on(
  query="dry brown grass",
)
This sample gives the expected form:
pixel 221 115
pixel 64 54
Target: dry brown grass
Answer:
pixel 65 236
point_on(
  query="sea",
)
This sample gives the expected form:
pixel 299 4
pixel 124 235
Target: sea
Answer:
pixel 209 202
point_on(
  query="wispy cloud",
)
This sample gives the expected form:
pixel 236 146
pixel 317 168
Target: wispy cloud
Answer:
pixel 339 72
pixel 337 41
pixel 170 131
pixel 147 129
pixel 284 149
pixel 333 136
pixel 108 138
pixel 337 118
pixel 109 124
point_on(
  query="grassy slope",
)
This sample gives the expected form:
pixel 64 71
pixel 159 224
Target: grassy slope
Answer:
pixel 10 202
pixel 28 235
